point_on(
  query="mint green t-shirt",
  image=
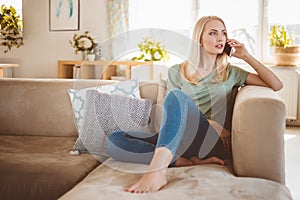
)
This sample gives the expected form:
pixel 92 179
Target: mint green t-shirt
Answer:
pixel 210 96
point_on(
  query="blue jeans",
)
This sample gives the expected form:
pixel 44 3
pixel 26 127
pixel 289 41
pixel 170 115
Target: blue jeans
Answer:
pixel 184 131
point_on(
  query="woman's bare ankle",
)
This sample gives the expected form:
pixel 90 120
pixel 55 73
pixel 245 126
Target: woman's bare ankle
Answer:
pixel 181 162
pixel 156 176
pixel 210 160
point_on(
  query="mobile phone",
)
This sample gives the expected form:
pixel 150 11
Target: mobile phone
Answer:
pixel 228 49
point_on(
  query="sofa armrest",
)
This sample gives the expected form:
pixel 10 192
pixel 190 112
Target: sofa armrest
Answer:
pixel 258 127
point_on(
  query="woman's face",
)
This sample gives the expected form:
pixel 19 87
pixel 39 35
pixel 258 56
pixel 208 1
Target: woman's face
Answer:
pixel 214 37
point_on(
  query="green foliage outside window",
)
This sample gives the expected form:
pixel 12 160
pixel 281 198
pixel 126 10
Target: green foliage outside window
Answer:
pixel 279 37
pixel 10 28
pixel 152 50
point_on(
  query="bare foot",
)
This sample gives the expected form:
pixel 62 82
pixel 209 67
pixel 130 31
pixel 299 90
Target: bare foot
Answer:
pixel 180 162
pixel 211 160
pixel 150 182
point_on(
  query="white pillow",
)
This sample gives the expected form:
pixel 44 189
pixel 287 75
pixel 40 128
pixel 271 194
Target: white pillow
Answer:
pixel 105 113
pixel 78 97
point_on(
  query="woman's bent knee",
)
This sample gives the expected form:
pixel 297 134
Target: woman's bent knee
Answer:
pixel 113 136
pixel 113 140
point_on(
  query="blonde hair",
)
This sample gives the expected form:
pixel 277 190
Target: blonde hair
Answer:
pixel 188 69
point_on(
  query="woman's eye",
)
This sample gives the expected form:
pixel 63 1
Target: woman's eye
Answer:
pixel 212 33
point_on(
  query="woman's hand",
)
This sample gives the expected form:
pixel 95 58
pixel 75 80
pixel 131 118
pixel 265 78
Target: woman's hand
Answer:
pixel 264 76
pixel 240 50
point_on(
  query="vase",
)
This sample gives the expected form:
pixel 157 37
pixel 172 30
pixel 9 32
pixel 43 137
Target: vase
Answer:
pixel 97 51
pixel 286 56
pixel 91 57
pixel 84 55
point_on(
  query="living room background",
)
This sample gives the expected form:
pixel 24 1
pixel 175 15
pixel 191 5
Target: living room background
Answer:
pixel 247 21
pixel 42 47
pixel 38 57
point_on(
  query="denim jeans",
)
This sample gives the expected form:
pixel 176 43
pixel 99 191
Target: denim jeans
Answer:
pixel 184 131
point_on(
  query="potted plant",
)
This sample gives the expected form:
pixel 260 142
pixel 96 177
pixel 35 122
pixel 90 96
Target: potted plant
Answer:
pixel 10 28
pixel 83 43
pixel 155 52
pixel 285 52
pixel 152 50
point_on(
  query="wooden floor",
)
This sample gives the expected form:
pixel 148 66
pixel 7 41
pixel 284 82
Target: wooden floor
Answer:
pixel 292 160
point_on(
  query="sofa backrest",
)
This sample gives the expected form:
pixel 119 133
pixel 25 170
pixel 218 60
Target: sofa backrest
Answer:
pixel 42 106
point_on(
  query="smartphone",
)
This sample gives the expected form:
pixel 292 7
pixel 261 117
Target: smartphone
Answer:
pixel 228 49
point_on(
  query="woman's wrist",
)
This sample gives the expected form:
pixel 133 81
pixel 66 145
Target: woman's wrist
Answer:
pixel 247 57
pixel 253 62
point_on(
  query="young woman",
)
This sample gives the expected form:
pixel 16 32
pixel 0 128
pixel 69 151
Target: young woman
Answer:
pixel 194 108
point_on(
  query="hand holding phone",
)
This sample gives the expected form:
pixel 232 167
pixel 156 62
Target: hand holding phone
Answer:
pixel 228 49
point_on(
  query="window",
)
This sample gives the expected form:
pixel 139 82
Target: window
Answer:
pixel 286 17
pixel 248 21
pixel 174 15
pixel 167 14
pixel 17 4
pixel 241 23
pixel 284 13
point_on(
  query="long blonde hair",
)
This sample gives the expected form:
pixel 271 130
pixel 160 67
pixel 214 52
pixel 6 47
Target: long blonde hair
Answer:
pixel 188 69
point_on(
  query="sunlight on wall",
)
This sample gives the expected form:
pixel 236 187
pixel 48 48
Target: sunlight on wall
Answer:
pixel 288 136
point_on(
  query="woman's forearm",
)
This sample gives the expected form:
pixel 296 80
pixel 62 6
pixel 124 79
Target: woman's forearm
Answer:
pixel 264 73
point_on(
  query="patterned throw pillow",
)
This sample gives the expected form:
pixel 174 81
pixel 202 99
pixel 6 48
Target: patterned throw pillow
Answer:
pixel 78 97
pixel 105 113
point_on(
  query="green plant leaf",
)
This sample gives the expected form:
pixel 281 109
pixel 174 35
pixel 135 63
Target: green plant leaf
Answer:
pixel 10 28
pixel 279 37
pixel 152 50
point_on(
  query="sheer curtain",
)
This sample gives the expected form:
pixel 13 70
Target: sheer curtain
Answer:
pixel 117 23
pixel 133 15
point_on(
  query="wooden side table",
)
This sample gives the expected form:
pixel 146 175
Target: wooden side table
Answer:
pixel 7 65
pixel 65 67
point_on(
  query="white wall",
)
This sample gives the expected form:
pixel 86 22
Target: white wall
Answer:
pixel 42 48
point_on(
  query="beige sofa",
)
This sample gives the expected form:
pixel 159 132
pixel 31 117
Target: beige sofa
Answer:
pixel 37 132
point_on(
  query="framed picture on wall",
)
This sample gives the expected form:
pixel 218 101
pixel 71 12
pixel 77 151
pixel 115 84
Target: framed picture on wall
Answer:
pixel 64 15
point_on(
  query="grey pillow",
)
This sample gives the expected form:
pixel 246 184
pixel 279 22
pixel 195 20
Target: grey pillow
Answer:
pixel 105 113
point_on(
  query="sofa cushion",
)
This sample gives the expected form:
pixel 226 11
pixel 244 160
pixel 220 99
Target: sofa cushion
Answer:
pixel 109 180
pixel 267 142
pixel 105 113
pixel 21 100
pixel 40 167
pixel 42 101
pixel 78 97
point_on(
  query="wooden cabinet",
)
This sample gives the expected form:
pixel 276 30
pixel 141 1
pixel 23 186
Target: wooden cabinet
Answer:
pixel 108 68
pixel 4 67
